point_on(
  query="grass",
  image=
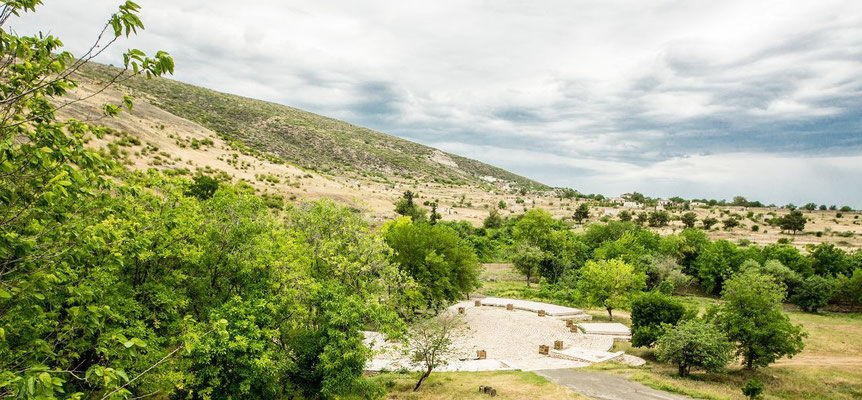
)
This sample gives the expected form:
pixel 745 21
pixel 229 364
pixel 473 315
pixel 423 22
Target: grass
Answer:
pixel 465 385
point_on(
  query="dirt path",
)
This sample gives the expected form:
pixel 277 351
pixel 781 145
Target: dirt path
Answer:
pixel 601 386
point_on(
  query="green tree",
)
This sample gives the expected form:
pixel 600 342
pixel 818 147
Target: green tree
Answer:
pixel 493 221
pixel 793 222
pixel 407 207
pixel 828 260
pixel 609 284
pixel 653 313
pixel 625 215
pixel 430 342
pixel 535 227
pixel 203 187
pixel 56 298
pixel 695 344
pixel 443 265
pixel 582 213
pixel 730 223
pixel 717 261
pixel 814 293
pixel 527 259
pixel 708 222
pixel 689 219
pixel 751 316
pixel 659 218
pixel 642 218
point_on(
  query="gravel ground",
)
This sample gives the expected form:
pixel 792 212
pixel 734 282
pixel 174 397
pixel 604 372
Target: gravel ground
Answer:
pixel 513 337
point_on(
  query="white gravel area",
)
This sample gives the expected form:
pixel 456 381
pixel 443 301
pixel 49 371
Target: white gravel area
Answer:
pixel 514 337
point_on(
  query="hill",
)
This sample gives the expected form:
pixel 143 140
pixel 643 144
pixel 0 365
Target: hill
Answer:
pixel 289 154
pixel 308 140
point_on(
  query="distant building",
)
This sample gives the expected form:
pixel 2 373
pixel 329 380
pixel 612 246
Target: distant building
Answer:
pixel 632 204
pixel 697 204
pixel 618 200
pixel 663 202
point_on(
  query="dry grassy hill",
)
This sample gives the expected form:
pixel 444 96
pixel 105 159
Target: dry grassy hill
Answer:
pixel 288 154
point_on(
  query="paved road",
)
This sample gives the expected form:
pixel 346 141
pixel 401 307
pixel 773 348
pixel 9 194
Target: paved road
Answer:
pixel 605 386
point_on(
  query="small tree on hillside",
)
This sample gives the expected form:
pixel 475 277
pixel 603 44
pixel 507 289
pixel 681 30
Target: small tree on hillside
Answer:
pixel 625 215
pixel 689 219
pixel 609 284
pixel 582 213
pixel 202 187
pixel 527 259
pixel 708 222
pixel 695 343
pixel 493 221
pixel 793 222
pixel 730 223
pixel 659 218
pixel 407 206
pixel 430 342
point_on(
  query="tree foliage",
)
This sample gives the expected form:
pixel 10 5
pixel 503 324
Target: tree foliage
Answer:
pixel 653 314
pixel 751 316
pixel 444 266
pixel 609 284
pixel 695 344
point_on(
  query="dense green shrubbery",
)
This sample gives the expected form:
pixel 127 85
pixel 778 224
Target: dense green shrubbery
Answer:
pixel 678 259
pixel 653 314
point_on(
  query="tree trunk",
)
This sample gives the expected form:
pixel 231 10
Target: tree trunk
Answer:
pixel 682 370
pixel 528 280
pixel 611 314
pixel 422 379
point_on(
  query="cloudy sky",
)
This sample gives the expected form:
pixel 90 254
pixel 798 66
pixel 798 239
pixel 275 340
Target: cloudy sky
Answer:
pixel 692 98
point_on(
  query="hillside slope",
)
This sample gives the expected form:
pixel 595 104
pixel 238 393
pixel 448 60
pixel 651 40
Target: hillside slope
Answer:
pixel 309 140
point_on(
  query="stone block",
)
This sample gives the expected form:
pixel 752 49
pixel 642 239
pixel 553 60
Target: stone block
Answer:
pixel 558 344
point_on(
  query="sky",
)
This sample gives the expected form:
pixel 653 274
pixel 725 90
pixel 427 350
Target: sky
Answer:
pixel 701 99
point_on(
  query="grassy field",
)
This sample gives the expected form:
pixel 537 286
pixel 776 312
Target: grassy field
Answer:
pixel 465 385
pixel 830 367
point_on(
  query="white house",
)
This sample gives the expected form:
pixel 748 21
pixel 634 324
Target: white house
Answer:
pixel 632 204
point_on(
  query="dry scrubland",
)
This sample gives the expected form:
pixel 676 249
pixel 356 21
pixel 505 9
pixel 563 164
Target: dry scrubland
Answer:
pixel 830 367
pixel 151 137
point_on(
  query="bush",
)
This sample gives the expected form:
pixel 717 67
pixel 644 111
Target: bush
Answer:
pixel 753 389
pixel 814 293
pixel 695 343
pixel 653 313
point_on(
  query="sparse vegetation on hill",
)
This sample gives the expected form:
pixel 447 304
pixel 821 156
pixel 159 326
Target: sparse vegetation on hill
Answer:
pixel 305 139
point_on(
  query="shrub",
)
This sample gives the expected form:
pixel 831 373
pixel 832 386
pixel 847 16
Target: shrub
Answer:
pixel 753 389
pixel 814 293
pixel 653 313
pixel 695 343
